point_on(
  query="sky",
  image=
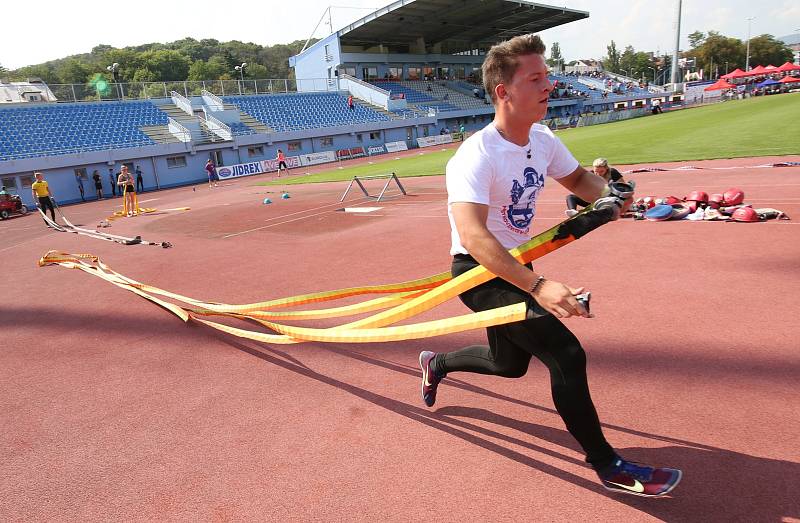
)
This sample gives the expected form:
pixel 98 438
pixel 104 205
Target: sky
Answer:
pixel 35 35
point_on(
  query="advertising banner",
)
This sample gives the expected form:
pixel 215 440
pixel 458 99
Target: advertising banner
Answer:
pixel 315 158
pixel 428 141
pixel 241 169
pixel 394 147
pixel 272 165
pixel 375 149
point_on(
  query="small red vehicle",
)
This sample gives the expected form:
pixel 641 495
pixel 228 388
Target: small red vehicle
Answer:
pixel 11 204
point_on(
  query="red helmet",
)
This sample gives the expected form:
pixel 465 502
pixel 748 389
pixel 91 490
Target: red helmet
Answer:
pixel 697 196
pixel 671 200
pixel 745 214
pixel 733 196
pixel 716 200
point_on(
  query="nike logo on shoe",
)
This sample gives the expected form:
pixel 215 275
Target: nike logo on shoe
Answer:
pixel 636 487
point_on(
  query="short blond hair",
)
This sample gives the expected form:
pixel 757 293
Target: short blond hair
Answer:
pixel 501 61
pixel 600 162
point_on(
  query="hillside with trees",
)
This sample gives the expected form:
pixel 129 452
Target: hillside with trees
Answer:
pixel 186 59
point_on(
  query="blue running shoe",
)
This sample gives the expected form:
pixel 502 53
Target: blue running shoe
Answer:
pixel 639 480
pixel 430 380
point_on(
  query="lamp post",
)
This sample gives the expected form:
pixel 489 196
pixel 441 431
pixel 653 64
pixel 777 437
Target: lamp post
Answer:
pixel 240 68
pixel 654 73
pixel 747 58
pixel 114 70
pixel 726 67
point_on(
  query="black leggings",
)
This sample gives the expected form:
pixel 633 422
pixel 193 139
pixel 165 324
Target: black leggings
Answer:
pixel 573 202
pixel 511 347
pixel 44 203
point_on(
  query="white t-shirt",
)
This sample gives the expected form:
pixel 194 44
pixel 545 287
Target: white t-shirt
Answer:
pixel 490 170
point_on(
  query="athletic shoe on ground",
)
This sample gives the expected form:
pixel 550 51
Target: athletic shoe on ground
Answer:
pixel 570 213
pixel 639 480
pixel 430 380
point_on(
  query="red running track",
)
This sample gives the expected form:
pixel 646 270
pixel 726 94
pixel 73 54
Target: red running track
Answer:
pixel 113 409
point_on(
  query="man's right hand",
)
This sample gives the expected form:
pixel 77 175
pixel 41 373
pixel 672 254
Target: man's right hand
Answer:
pixel 559 300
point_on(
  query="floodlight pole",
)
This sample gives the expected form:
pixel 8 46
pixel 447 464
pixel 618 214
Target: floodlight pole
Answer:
pixel 747 59
pixel 677 42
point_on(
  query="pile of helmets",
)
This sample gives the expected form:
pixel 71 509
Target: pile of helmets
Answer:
pixel 699 205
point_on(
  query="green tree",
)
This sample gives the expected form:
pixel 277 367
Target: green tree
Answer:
pixel 210 70
pixel 696 39
pixel 165 65
pixel 626 60
pixel 256 71
pixel 611 61
pixel 766 50
pixel 555 55
pixel 44 71
pixel 74 71
pixel 718 52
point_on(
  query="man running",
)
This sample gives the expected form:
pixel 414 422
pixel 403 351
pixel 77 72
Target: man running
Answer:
pixel 41 193
pixel 493 182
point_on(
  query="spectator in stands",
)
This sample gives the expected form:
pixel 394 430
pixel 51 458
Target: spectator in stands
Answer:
pixel 139 180
pixel 79 181
pixel 282 162
pixel 41 193
pixel 601 169
pixel 113 180
pixel 98 185
pixel 350 103
pixel 127 189
pixel 211 170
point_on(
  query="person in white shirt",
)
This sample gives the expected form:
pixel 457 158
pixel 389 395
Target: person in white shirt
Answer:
pixel 493 182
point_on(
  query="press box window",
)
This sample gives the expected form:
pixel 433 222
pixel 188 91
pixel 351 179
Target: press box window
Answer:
pixel 81 173
pixel 255 151
pixel 326 141
pixel 375 136
pixel 293 146
pixel 173 162
pixel 26 181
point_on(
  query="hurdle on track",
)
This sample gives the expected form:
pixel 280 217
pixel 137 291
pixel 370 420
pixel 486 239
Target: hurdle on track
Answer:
pixel 388 177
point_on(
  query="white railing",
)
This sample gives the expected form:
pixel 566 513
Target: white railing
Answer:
pixel 217 127
pixel 182 102
pixel 179 131
pixel 365 84
pixel 213 101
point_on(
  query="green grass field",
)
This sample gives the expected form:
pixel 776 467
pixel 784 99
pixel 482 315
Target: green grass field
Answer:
pixel 767 126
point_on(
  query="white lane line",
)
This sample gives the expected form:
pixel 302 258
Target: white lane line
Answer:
pixel 275 224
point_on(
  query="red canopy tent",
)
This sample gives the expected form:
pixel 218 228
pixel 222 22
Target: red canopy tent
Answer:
pixel 770 68
pixel 788 66
pixel 789 79
pixel 736 73
pixel 719 84
pixel 757 70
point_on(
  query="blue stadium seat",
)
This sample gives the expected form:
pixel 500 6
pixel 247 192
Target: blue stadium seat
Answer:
pixel 49 130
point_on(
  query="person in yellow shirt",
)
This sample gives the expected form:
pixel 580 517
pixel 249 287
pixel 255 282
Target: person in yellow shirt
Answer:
pixel 41 192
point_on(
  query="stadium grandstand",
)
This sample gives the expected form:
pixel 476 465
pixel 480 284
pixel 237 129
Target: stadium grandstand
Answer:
pixel 395 79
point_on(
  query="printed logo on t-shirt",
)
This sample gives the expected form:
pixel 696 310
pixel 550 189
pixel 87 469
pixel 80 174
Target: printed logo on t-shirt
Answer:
pixel 519 214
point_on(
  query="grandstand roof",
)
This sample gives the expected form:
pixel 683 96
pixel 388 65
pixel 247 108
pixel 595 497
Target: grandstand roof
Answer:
pixel 458 25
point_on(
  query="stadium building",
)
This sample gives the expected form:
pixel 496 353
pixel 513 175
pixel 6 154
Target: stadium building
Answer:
pixel 411 67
